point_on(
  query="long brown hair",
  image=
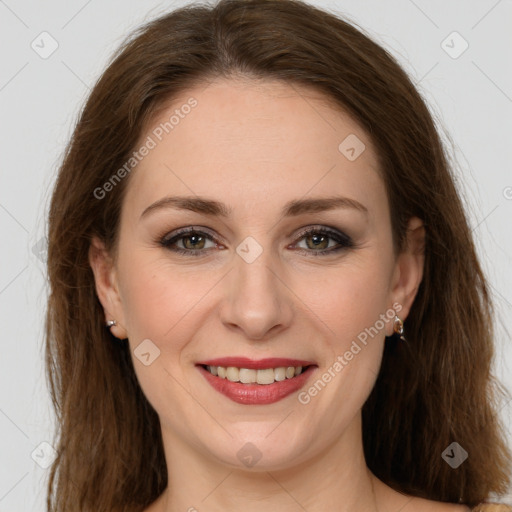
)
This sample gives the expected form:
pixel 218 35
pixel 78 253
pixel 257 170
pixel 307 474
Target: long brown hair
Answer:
pixel 431 391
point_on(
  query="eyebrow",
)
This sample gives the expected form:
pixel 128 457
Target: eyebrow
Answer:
pixel 214 208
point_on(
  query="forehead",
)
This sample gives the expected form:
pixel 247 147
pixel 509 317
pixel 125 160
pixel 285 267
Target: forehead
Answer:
pixel 254 142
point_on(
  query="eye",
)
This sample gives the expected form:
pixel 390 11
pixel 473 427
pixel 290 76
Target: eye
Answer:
pixel 318 240
pixel 192 241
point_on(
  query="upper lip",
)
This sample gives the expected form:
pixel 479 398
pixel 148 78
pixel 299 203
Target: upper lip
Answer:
pixel 253 364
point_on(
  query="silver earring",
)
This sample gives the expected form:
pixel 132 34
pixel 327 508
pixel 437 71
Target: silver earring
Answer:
pixel 398 328
pixel 111 323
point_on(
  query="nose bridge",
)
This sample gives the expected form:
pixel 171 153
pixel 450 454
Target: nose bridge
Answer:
pixel 257 300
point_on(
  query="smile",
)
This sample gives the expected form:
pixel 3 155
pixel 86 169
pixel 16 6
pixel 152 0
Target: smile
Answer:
pixel 249 382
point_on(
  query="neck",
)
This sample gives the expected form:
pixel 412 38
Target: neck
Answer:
pixel 336 479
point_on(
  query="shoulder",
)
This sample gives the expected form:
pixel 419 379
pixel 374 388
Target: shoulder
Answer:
pixel 492 507
pixel 395 500
pixel 437 506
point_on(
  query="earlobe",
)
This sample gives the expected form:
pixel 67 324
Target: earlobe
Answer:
pixel 104 272
pixel 410 266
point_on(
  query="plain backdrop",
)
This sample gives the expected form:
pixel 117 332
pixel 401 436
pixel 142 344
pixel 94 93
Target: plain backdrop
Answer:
pixel 456 52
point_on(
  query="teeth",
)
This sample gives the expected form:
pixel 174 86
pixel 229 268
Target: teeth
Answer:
pixel 265 376
pixel 280 373
pixel 248 376
pixel 232 374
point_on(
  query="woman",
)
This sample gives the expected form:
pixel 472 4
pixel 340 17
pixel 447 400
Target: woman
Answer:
pixel 264 289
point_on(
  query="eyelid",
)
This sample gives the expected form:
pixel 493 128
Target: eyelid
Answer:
pixel 189 229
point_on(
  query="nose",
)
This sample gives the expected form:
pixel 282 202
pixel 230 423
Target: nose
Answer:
pixel 257 301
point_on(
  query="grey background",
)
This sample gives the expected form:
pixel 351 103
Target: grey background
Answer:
pixel 470 95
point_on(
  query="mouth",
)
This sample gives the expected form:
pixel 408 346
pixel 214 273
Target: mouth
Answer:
pixel 250 382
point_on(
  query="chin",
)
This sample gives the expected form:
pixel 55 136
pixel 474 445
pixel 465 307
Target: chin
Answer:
pixel 259 453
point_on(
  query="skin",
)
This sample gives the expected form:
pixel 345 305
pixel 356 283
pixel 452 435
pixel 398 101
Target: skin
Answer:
pixel 255 146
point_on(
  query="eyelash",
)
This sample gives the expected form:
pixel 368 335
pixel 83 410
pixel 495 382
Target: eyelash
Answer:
pixel 344 241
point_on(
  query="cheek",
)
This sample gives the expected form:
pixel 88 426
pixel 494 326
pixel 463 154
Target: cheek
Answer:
pixel 352 300
pixel 356 313
pixel 160 303
pixel 156 296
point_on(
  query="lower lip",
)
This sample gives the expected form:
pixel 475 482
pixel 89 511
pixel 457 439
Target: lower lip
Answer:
pixel 257 394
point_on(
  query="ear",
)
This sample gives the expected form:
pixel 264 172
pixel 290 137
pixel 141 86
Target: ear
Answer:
pixel 107 290
pixel 409 268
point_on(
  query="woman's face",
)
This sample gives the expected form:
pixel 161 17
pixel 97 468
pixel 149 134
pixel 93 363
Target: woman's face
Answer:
pixel 249 167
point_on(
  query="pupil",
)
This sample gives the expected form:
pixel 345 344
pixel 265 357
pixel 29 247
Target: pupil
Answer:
pixel 194 239
pixel 318 239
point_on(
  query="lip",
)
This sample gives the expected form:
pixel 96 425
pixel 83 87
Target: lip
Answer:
pixel 256 394
pixel 252 364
